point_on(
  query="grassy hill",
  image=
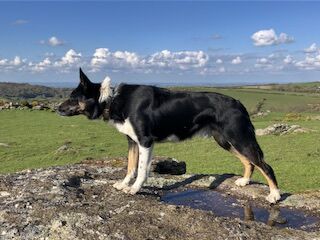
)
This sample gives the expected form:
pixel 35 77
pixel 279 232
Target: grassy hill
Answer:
pixel 310 87
pixel 31 139
pixel 34 139
pixel 14 91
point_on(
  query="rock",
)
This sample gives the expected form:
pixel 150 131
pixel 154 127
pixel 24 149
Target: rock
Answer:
pixel 38 107
pixel 309 200
pixel 281 129
pixel 48 204
pixel 63 148
pixel 262 113
pixel 169 166
pixel 4 194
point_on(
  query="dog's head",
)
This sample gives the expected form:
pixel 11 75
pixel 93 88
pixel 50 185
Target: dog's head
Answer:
pixel 88 99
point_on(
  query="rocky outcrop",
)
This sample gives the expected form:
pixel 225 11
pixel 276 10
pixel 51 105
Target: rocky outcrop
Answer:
pixel 79 202
pixel 24 105
pixel 281 129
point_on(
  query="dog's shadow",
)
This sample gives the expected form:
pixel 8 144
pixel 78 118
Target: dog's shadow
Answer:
pixel 158 191
pixel 219 179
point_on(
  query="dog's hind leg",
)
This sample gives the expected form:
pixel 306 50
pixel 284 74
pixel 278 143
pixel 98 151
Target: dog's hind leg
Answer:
pixel 251 155
pixel 133 156
pixel 244 145
pixel 248 168
pixel 268 173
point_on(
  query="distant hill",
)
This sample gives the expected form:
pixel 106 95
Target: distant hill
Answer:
pixel 309 87
pixel 28 91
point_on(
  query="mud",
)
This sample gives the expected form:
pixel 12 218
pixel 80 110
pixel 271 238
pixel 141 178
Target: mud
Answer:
pixel 78 202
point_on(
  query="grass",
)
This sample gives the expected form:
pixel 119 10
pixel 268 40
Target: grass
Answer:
pixel 275 101
pixel 35 136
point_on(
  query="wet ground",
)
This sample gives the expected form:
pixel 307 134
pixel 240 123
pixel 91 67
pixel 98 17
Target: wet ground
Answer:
pixel 79 202
pixel 228 206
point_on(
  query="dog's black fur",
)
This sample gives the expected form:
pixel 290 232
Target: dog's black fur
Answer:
pixel 157 113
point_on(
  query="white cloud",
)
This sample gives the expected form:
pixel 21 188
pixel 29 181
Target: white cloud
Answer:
pixel 263 61
pixel 41 66
pixel 222 70
pixel 309 63
pixel 312 49
pixel 285 38
pixel 71 58
pixel 20 22
pixel 219 61
pixel 288 59
pixel 166 60
pixel 177 60
pixel 53 41
pixel 103 57
pixel 16 64
pixel 236 60
pixel 4 62
pixel 16 61
pixel 269 37
pixel 216 36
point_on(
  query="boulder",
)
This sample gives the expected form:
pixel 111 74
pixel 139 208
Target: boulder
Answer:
pixel 169 166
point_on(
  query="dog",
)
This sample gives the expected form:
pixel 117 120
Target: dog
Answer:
pixel 148 114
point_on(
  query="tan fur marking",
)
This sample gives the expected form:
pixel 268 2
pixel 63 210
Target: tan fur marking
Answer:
pixel 133 157
pixel 248 168
pixel 271 184
pixel 82 106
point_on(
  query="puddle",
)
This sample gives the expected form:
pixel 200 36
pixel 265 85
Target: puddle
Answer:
pixel 229 207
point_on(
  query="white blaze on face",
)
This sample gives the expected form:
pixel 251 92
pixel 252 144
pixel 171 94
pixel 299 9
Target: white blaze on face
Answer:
pixel 105 89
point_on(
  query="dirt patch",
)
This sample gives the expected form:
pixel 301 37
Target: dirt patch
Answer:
pixel 79 202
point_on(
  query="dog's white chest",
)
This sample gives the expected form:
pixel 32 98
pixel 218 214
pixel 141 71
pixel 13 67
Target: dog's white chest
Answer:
pixel 126 128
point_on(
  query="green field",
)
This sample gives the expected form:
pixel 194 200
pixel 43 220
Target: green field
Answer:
pixel 34 137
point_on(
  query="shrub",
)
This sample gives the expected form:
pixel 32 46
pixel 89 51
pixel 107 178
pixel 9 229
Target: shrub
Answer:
pixel 34 103
pixel 258 107
pixel 293 117
pixel 24 103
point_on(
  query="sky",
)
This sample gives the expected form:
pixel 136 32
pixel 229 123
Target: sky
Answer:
pixel 164 43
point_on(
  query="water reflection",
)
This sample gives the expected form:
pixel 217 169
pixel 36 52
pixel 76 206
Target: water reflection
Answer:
pixel 228 206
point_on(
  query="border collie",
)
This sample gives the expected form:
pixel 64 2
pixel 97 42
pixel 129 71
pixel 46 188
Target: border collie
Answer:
pixel 148 114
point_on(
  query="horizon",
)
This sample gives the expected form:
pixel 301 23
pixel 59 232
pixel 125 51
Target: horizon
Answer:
pixel 160 43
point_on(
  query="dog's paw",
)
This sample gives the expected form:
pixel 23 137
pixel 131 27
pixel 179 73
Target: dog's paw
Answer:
pixel 241 182
pixel 131 190
pixel 126 189
pixel 274 196
pixel 134 190
pixel 119 185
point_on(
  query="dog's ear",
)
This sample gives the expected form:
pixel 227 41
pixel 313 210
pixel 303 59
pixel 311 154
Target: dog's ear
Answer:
pixel 84 80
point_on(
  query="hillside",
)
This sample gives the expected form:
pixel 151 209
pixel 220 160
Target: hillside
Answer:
pixel 310 87
pixel 13 91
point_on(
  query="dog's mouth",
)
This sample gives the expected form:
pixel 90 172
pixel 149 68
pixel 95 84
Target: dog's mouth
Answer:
pixel 68 112
pixel 61 113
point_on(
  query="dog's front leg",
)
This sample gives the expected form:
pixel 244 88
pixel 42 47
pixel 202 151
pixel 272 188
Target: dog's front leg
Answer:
pixel 133 157
pixel 145 154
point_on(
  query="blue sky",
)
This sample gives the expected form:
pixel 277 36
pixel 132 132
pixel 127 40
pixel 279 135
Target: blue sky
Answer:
pixel 160 42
